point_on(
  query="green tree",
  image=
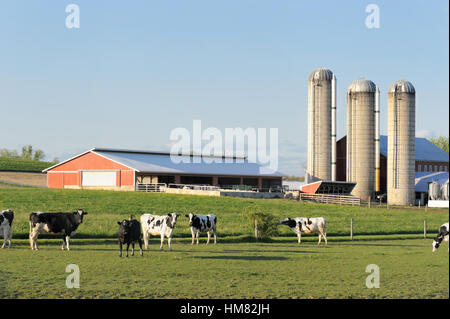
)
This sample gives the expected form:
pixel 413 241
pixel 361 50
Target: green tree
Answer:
pixel 8 153
pixel 441 142
pixel 27 152
pixel 38 155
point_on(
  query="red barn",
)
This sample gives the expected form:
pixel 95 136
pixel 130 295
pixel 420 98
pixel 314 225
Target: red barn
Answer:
pixel 116 169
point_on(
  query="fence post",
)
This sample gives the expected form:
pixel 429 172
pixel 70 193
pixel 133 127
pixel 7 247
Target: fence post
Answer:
pixel 351 229
pixel 256 230
pixel 424 228
pixel 369 202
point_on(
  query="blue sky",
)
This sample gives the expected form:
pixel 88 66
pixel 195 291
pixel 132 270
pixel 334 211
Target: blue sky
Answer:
pixel 135 70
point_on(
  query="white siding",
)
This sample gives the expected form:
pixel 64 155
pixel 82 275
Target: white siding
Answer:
pixel 98 179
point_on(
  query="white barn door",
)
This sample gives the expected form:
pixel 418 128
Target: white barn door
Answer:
pixel 98 179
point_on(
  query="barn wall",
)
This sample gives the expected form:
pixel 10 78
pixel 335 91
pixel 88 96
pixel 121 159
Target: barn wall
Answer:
pixel 68 175
pixel 55 180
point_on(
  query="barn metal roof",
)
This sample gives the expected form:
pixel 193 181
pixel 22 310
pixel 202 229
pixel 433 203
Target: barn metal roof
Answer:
pixel 424 178
pixel 425 150
pixel 164 163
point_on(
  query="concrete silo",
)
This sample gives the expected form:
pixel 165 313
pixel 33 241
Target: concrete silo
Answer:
pixel 361 137
pixel 401 143
pixel 321 162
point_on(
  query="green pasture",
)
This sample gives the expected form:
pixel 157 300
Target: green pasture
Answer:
pixel 107 207
pixel 238 266
pixel 408 269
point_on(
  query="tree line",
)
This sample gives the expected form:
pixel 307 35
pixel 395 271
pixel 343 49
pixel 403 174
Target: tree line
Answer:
pixel 28 153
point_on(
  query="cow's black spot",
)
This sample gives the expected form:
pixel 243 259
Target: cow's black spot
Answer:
pixel 196 222
pixel 290 223
pixel 1 219
pixel 208 223
pixel 158 222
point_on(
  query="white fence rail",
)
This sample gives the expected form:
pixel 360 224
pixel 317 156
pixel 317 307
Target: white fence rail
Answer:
pixel 155 188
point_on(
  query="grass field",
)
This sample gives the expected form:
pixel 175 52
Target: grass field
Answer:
pixel 408 269
pixel 107 207
pixel 18 164
pixel 238 267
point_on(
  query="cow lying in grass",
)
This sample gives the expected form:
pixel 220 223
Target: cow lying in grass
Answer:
pixel 156 225
pixel 129 233
pixel 55 223
pixel 442 236
pixel 307 226
pixel 203 223
pixel 6 219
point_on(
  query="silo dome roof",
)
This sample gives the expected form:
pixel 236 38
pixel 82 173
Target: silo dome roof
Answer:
pixel 402 86
pixel 321 74
pixel 362 85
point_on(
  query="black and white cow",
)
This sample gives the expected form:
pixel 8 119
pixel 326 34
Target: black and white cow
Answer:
pixel 55 223
pixel 129 233
pixel 6 219
pixel 157 225
pixel 442 236
pixel 203 223
pixel 307 226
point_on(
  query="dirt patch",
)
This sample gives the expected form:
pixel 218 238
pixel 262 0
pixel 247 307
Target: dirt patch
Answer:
pixel 34 179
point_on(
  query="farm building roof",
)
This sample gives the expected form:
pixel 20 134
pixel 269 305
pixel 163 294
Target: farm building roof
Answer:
pixel 425 150
pixel 423 178
pixel 165 163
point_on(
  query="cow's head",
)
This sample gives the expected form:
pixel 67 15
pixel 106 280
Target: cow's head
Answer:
pixel 125 226
pixel 437 242
pixel 79 213
pixel 288 222
pixel 172 220
pixel 191 217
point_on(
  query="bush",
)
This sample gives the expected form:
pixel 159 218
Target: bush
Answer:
pixel 267 223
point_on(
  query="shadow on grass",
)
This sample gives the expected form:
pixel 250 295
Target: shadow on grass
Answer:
pixel 249 258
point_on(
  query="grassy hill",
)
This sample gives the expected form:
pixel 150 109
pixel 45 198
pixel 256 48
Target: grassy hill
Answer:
pixel 18 164
pixel 107 207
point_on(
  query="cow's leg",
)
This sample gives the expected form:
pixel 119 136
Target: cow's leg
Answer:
pixel 128 246
pixel 169 240
pixel 193 235
pixel 325 237
pixel 140 247
pixel 33 239
pixel 320 238
pixel 162 242
pixel 209 236
pixel 146 240
pixel 198 235
pixel 4 238
pixel 64 241
pixel 299 238
pixel 120 248
pixel 68 242
pixel 9 237
pixel 215 236
pixel 132 249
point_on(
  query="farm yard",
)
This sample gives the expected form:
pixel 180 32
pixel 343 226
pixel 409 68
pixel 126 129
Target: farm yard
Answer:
pixel 237 267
